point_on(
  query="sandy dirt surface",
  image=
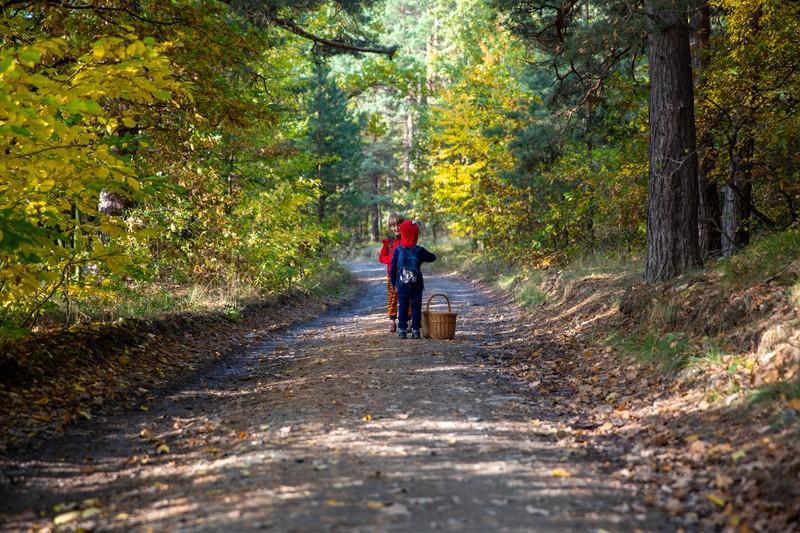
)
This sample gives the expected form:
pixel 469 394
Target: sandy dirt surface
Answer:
pixel 333 425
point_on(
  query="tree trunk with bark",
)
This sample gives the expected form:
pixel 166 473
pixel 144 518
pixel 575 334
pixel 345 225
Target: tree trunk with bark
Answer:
pixel 111 204
pixel 709 216
pixel 375 212
pixel 736 211
pixel 408 139
pixel 672 246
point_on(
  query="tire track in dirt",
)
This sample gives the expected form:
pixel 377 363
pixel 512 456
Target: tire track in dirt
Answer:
pixel 333 425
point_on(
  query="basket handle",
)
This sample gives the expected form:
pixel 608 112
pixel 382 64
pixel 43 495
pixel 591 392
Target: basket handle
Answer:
pixel 428 307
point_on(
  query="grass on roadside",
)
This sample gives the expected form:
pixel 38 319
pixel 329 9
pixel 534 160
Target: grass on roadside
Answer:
pixel 770 256
pixel 457 256
pixel 670 351
pixel 148 300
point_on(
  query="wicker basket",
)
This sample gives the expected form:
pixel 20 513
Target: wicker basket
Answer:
pixel 438 324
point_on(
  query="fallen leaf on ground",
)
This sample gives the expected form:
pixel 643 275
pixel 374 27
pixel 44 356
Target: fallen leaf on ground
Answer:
pixel 66 518
pixel 90 512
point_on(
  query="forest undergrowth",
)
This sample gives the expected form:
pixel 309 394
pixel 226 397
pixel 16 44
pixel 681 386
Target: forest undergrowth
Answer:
pixel 690 387
pixel 56 375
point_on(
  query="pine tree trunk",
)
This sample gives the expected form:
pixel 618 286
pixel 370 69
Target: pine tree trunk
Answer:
pixel 374 224
pixel 672 204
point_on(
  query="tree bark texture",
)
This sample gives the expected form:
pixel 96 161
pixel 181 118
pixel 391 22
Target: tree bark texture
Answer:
pixel 736 210
pixel 375 212
pixel 709 216
pixel 408 139
pixel 111 204
pixel 672 246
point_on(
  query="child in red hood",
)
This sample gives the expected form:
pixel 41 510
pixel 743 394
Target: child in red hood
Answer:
pixel 406 276
pixel 385 257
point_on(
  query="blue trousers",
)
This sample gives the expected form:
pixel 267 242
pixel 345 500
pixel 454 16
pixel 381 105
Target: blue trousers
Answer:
pixel 412 298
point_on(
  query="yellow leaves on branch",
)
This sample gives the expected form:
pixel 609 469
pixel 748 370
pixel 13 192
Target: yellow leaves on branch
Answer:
pixel 60 133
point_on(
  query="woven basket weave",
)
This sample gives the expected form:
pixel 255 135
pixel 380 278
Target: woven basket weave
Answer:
pixel 438 324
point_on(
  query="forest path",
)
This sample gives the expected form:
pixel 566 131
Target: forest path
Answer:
pixel 333 424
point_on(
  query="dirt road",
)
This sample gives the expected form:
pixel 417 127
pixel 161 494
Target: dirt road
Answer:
pixel 333 425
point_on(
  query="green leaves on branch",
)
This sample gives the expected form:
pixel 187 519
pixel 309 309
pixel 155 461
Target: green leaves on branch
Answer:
pixel 58 157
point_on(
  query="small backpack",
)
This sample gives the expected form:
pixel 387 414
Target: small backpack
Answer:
pixel 408 272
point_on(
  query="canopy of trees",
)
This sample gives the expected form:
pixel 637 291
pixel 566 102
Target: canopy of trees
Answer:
pixel 240 141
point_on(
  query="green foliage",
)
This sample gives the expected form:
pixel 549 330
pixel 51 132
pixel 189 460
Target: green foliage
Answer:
pixel 232 312
pixel 529 293
pixel 714 355
pixel 744 104
pixel 669 351
pixel 62 148
pixel 335 144
pixel 331 279
pixel 469 154
pixel 192 128
pixel 234 152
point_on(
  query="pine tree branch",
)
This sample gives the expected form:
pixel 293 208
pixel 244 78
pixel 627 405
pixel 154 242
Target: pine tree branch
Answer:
pixel 295 28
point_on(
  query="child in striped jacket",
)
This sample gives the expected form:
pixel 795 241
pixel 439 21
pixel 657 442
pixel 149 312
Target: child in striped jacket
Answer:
pixel 385 257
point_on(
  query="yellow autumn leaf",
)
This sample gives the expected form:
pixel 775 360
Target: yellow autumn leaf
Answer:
pixel 333 502
pixel 560 472
pixel 374 504
pixel 90 512
pixel 46 185
pixel 66 518
pixel 162 449
pixel 716 500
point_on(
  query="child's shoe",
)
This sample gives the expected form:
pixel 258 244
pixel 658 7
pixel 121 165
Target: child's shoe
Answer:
pixel 392 325
pixel 415 334
pixel 403 334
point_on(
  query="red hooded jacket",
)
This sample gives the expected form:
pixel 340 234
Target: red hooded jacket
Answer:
pixel 409 233
pixel 387 251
